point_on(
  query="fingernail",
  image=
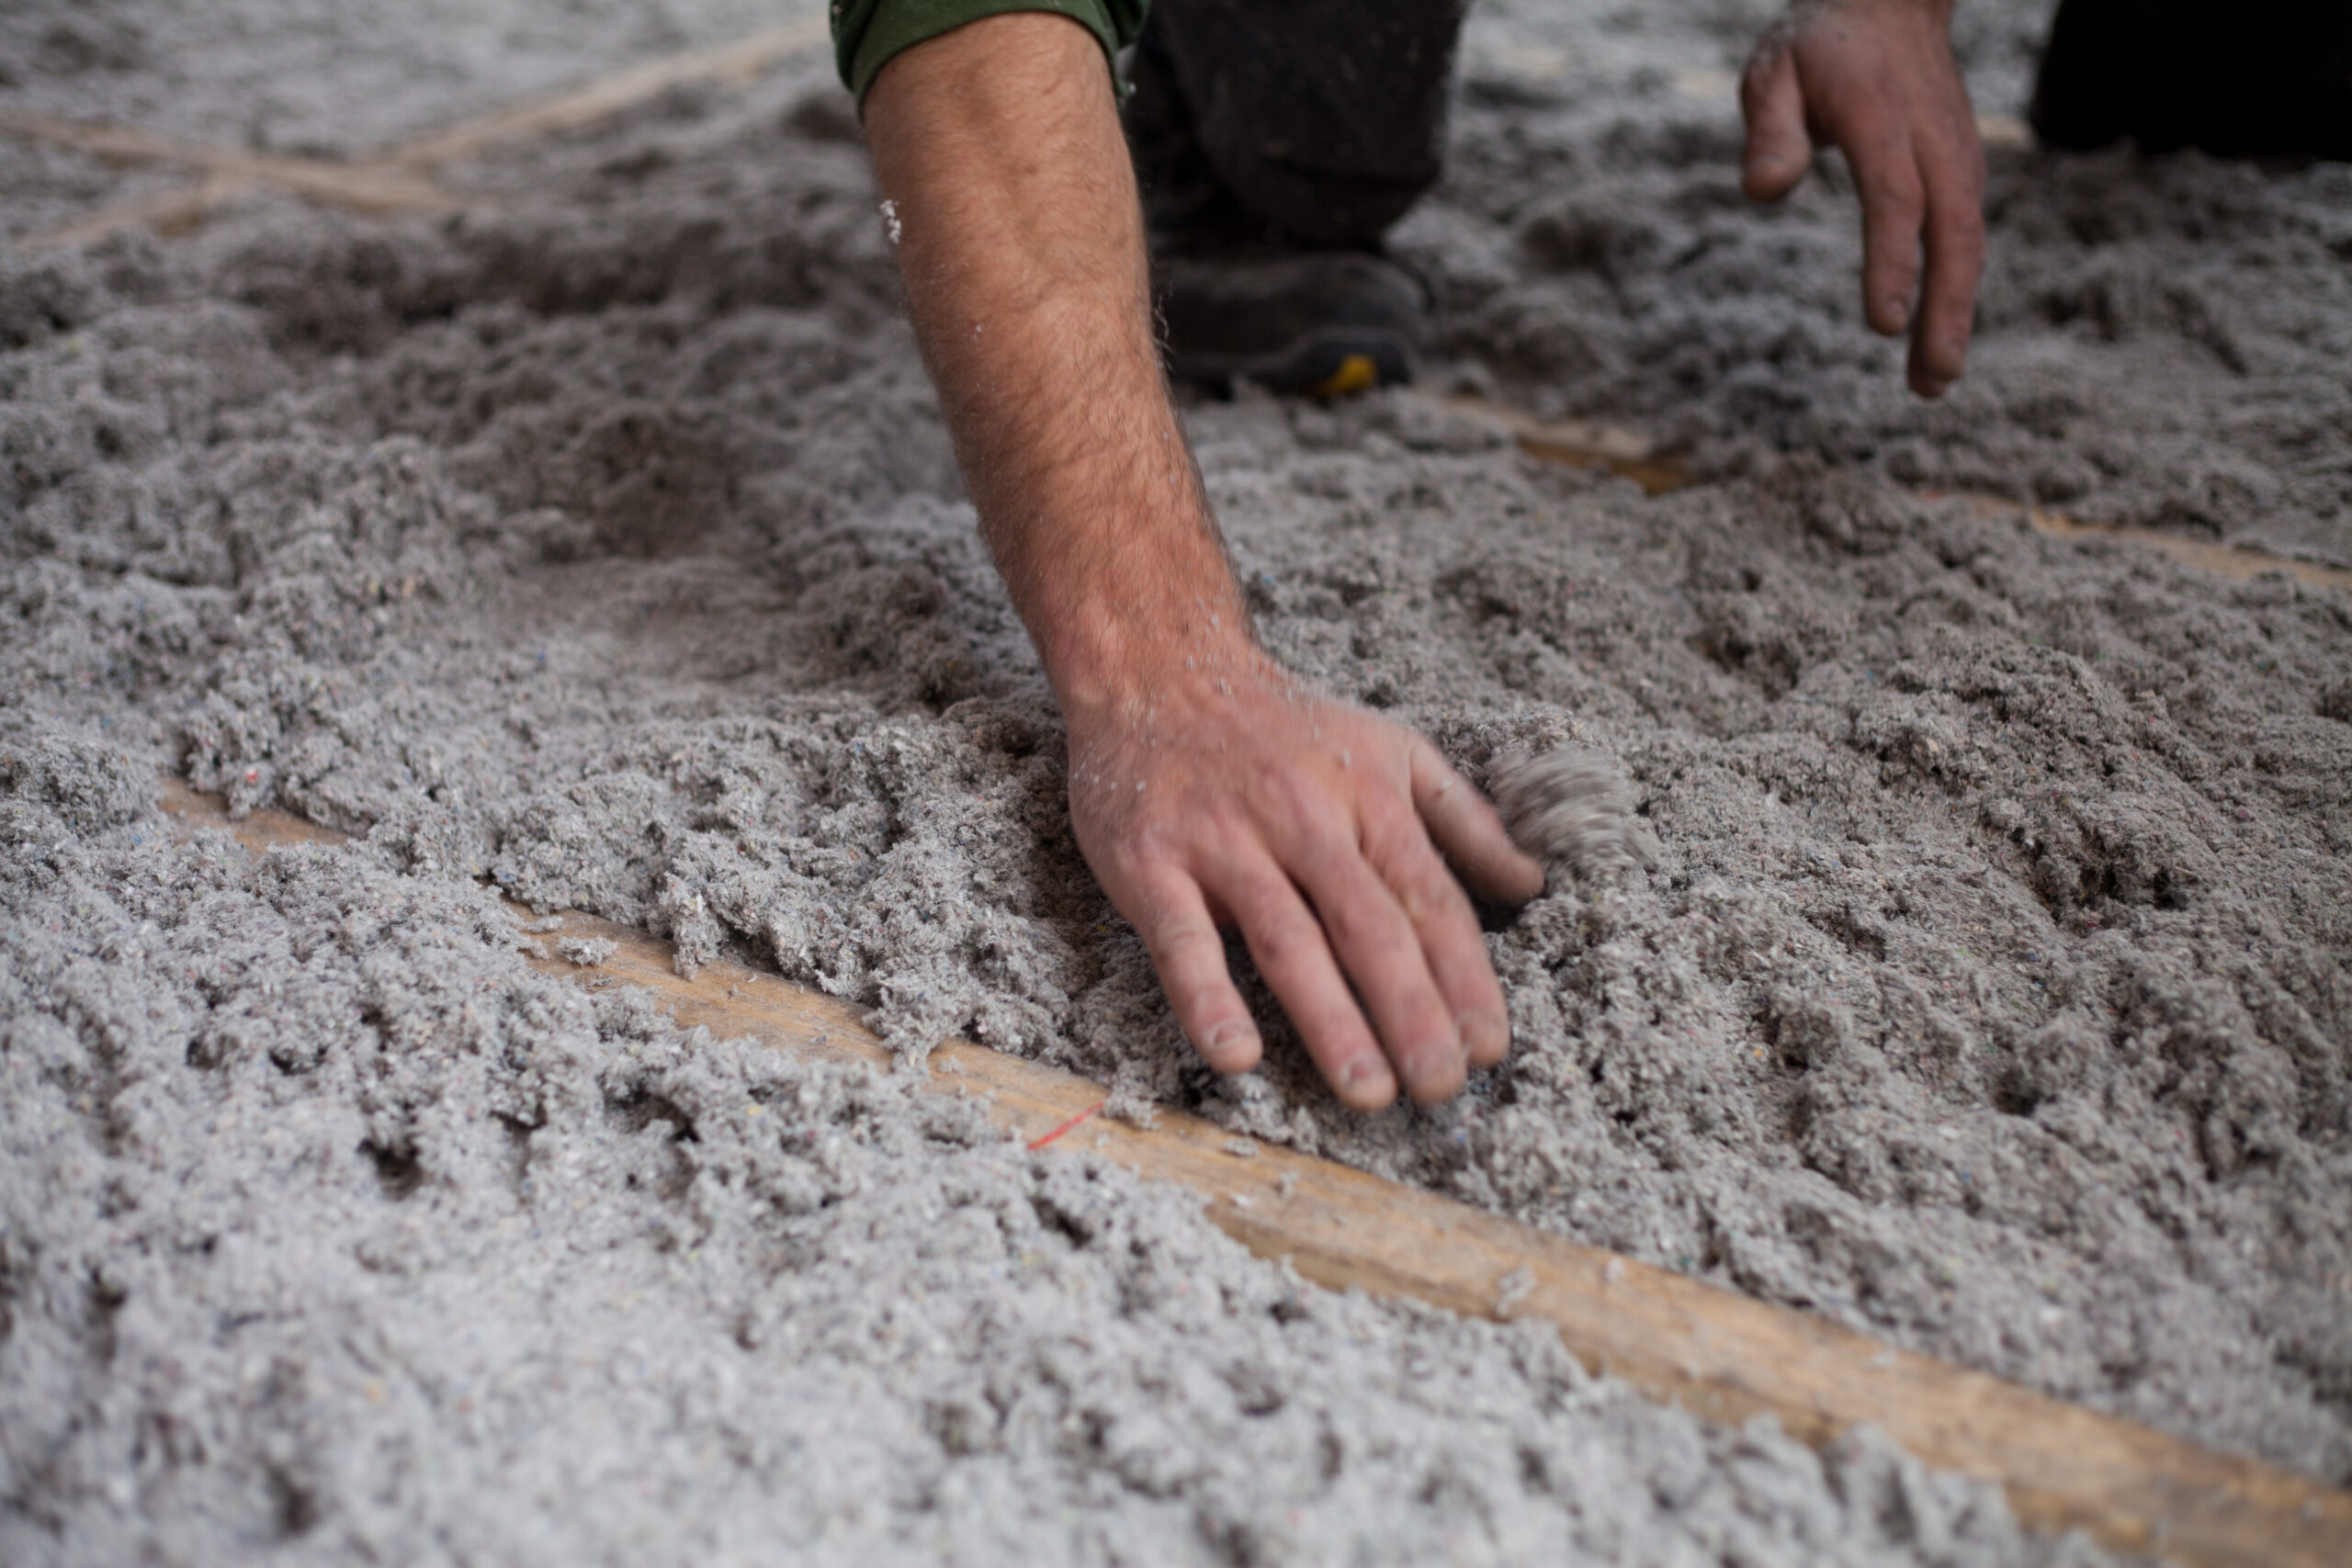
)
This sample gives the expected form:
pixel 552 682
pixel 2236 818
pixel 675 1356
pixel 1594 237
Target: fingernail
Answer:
pixel 1230 1035
pixel 1436 1073
pixel 1484 1034
pixel 1899 308
pixel 1362 1073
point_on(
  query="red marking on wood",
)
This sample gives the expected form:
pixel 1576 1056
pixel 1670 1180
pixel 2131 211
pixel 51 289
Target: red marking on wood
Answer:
pixel 1082 1116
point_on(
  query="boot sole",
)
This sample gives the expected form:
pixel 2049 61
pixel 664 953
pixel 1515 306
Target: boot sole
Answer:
pixel 1324 364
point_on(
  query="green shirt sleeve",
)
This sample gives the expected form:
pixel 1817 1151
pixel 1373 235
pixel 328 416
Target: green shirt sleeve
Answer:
pixel 867 33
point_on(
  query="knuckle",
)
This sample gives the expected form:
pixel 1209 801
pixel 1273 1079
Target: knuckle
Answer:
pixel 1895 270
pixel 1175 942
pixel 1412 871
pixel 1138 855
pixel 1284 943
pixel 1431 770
pixel 1902 206
pixel 1200 1006
pixel 1390 827
pixel 1402 854
pixel 1431 896
pixel 1303 803
pixel 1890 184
pixel 1397 842
pixel 1356 930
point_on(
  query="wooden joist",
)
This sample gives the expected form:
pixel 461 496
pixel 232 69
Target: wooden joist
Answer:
pixel 400 179
pixel 365 187
pixel 1716 1352
pixel 1592 443
pixel 720 64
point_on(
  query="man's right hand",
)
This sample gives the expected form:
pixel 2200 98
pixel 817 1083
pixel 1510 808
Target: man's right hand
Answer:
pixel 1234 795
pixel 1205 785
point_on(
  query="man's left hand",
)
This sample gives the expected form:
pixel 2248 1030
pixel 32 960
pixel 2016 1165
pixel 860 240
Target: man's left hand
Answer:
pixel 1876 79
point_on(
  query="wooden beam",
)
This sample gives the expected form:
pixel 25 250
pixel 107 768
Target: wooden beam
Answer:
pixel 366 188
pixel 2240 563
pixel 1591 444
pixel 739 61
pixel 1720 1354
pixel 400 179
pixel 168 214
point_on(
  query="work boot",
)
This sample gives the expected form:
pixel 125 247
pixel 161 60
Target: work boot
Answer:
pixel 1292 320
pixel 1287 285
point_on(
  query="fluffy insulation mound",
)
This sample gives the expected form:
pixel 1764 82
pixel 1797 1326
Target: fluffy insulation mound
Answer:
pixel 330 1231
pixel 1988 989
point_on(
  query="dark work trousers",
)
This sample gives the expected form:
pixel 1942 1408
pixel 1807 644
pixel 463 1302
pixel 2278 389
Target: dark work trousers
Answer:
pixel 2239 78
pixel 1321 122
pixel 1313 122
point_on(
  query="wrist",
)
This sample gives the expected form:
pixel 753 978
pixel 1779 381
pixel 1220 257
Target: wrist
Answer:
pixel 1106 662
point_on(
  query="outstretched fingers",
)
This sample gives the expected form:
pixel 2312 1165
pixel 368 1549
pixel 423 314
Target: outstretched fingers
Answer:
pixel 1894 210
pixel 1288 942
pixel 1189 955
pixel 1355 921
pixel 1447 929
pixel 1468 832
pixel 1952 162
pixel 1380 948
pixel 1778 148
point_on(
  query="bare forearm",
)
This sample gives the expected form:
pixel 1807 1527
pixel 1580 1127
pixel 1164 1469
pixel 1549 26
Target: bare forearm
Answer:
pixel 1205 784
pixel 1022 250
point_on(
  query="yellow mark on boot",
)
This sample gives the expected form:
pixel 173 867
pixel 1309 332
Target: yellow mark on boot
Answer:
pixel 1355 373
